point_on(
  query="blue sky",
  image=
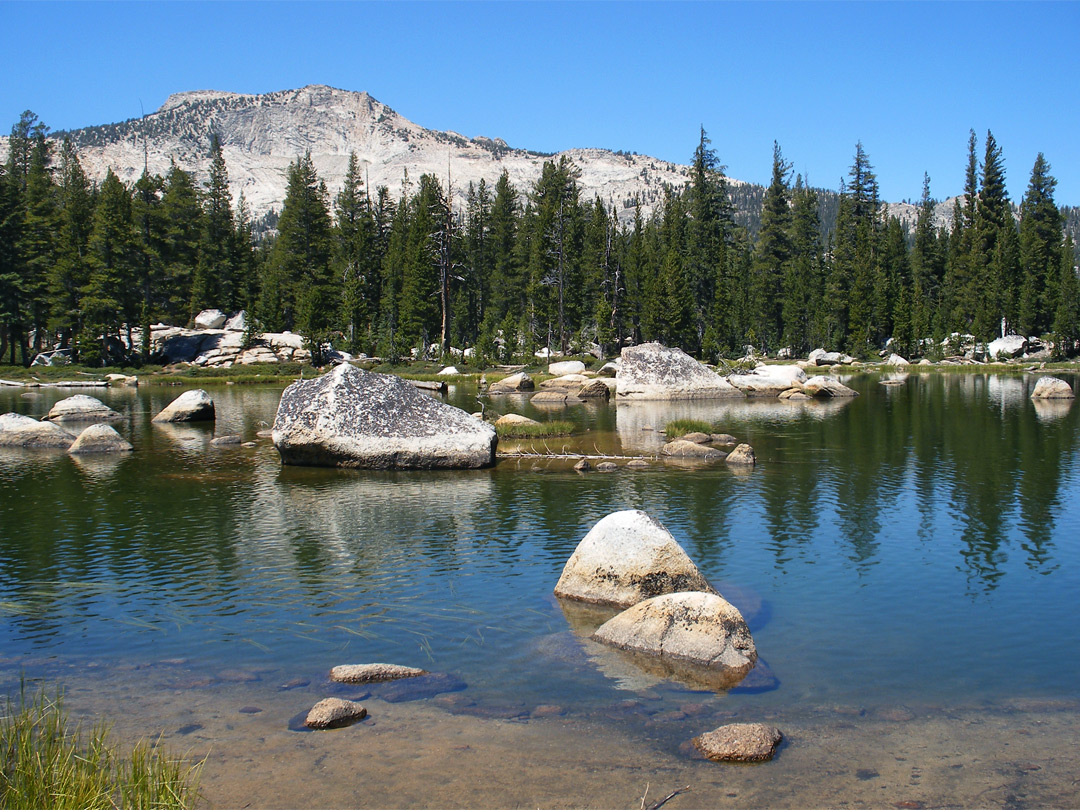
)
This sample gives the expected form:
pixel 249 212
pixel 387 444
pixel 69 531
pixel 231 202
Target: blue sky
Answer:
pixel 907 79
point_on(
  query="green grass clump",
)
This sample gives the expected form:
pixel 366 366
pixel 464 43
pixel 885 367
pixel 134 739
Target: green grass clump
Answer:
pixel 45 761
pixel 539 430
pixel 680 427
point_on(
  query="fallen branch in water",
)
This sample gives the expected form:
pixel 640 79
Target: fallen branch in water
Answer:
pixel 663 801
pixel 549 454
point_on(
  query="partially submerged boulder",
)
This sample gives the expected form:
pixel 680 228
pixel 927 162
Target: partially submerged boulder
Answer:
pixel 626 557
pixel 549 398
pixel 739 742
pixel 100 438
pixel 513 384
pixel 696 628
pixel 684 448
pixel 821 386
pixel 1052 388
pixel 595 389
pixel 17 430
pixel 743 454
pixel 190 406
pixel 768 381
pixel 81 408
pixel 334 713
pixel 653 372
pixel 355 418
pixel 373 673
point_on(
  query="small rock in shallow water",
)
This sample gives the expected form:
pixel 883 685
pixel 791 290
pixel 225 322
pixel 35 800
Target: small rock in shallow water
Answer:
pixel 583 465
pixel 334 713
pixel 548 710
pixel 607 466
pixel 372 673
pixel 295 683
pixel 225 441
pixel 739 742
pixel 418 688
pixel 249 710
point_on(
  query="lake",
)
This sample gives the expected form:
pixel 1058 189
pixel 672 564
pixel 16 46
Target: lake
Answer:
pixel 908 563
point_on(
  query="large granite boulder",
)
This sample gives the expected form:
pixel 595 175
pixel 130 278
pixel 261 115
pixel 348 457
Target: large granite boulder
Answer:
pixel 626 557
pixel 191 406
pixel 1052 388
pixel 739 742
pixel 595 389
pixel 820 386
pixel 81 408
pixel 768 381
pixel 699 629
pixel 896 360
pixel 820 357
pixel 566 367
pixel 653 372
pixel 355 418
pixel 100 438
pixel 1005 348
pixel 513 384
pixel 17 430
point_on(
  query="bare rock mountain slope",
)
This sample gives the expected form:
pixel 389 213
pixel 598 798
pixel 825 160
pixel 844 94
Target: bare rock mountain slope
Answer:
pixel 262 134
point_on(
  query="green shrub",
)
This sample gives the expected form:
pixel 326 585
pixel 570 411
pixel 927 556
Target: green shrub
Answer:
pixel 680 427
pixel 539 430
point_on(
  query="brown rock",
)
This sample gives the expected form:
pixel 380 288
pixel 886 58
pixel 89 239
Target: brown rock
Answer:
pixel 607 466
pixel 333 713
pixel 696 438
pixel 743 454
pixel 684 449
pixel 739 742
pixel 583 465
pixel 595 389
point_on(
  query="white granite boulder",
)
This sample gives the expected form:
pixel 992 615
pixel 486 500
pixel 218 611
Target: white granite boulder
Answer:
pixel 1052 388
pixel 626 557
pixel 81 408
pixel 191 406
pixel 510 420
pixel 566 367
pixel 896 360
pixel 653 372
pixel 449 371
pixel 820 357
pixel 1005 348
pixel 355 418
pixel 701 629
pixel 768 381
pixel 210 319
pixel 17 430
pixel 100 438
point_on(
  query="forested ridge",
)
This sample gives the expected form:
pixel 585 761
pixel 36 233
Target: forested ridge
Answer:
pixel 85 265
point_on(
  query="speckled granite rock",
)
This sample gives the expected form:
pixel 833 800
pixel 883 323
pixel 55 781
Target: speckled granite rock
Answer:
pixel 372 673
pixel 739 742
pixel 17 430
pixel 653 372
pixel 334 712
pixel 626 557
pixel 1052 388
pixel 692 627
pixel 355 418
pixel 81 408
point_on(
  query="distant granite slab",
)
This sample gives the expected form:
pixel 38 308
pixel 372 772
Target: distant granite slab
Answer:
pixel 355 418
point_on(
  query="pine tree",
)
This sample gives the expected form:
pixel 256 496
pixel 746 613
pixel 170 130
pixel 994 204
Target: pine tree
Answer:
pixel 70 273
pixel 1040 239
pixel 151 228
pixel 802 283
pixel 927 270
pixel 213 284
pixel 183 217
pixel 772 255
pixel 300 259
pixel 993 280
pixel 111 289
pixel 1067 311
pixel 356 258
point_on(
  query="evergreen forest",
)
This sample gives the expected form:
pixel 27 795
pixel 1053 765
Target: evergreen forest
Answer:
pixel 87 266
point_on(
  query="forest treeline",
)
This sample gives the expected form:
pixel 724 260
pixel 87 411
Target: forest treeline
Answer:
pixel 91 266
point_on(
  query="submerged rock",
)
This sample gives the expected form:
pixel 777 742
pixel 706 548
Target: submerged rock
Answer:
pixel 653 372
pixel 1052 388
pixel 334 713
pixel 355 418
pixel 190 406
pixel 81 408
pixel 17 430
pixel 692 627
pixel 100 438
pixel 372 673
pixel 739 742
pixel 627 557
